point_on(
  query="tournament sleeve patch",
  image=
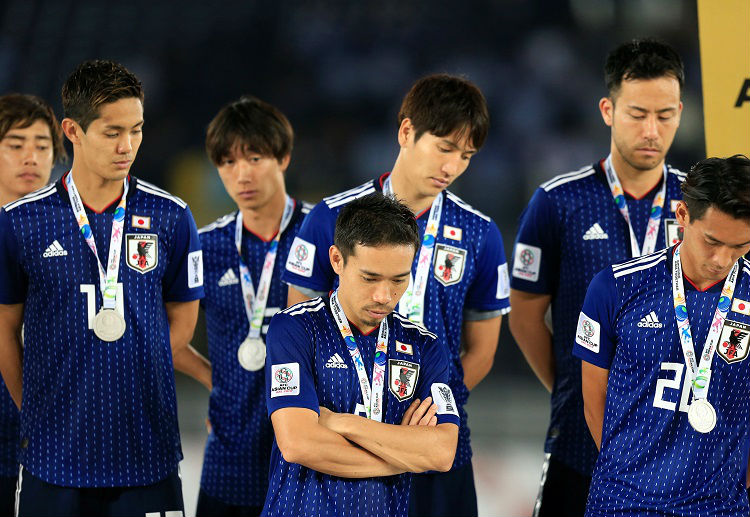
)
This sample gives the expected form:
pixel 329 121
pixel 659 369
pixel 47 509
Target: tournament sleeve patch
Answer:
pixel 588 333
pixel 284 380
pixel 195 269
pixel 503 282
pixel 443 397
pixel 526 262
pixel 301 257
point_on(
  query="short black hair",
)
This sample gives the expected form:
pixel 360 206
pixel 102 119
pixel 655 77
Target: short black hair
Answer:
pixel 645 58
pixel 375 220
pixel 19 110
pixel 252 124
pixel 95 83
pixel 441 104
pixel 723 183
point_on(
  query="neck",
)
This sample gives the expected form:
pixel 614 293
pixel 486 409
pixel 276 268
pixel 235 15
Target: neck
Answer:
pixel 96 192
pixel 406 192
pixel 636 182
pixel 265 221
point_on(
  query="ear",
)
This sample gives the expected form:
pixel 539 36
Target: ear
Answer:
pixel 607 109
pixel 337 259
pixel 405 132
pixel 681 214
pixel 72 130
pixel 284 162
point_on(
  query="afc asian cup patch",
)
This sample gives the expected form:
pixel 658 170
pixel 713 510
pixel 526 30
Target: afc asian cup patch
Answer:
pixel 443 397
pixel 449 264
pixel 673 232
pixel 503 282
pixel 733 342
pixel 588 333
pixel 195 269
pixel 402 378
pixel 142 251
pixel 284 380
pixel 526 261
pixel 301 257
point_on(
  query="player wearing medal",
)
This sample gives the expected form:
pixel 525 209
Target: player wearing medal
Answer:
pixel 459 283
pixel 577 224
pixel 104 271
pixel 30 143
pixel 666 376
pixel 343 372
pixel 250 143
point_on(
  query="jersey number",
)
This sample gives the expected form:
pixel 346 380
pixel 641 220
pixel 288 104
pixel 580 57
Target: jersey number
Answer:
pixel 89 290
pixel 673 384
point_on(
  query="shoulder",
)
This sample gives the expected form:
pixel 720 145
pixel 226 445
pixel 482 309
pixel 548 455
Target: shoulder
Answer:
pixel 638 267
pixel 744 266
pixel 152 190
pixel 580 175
pixel 221 222
pixel 338 200
pixel 35 197
pixel 304 309
pixel 412 329
pixel 465 207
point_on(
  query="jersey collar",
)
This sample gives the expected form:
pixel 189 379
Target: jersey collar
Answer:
pixel 601 175
pixel 62 190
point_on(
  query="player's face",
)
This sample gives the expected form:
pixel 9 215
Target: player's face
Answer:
pixel 26 157
pixel 644 117
pixel 714 242
pixel 372 281
pixel 108 147
pixel 433 162
pixel 250 179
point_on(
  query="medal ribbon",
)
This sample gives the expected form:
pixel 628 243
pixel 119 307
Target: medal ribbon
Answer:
pixel 372 397
pixel 652 230
pixel 700 373
pixel 108 277
pixel 412 302
pixel 255 306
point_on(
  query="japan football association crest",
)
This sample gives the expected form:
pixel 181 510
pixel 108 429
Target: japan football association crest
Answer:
pixel 142 251
pixel 449 264
pixel 733 343
pixel 402 378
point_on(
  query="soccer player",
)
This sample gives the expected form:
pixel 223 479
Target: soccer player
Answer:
pixel 250 143
pixel 30 143
pixel 105 272
pixel 459 284
pixel 578 223
pixel 666 376
pixel 343 370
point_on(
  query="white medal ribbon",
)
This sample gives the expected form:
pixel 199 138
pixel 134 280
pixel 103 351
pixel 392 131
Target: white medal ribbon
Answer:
pixel 108 277
pixel 372 397
pixel 255 306
pixel 412 302
pixel 652 230
pixel 700 374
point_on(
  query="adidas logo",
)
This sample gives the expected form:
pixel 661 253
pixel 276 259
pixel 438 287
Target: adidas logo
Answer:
pixel 228 278
pixel 336 362
pixel 594 233
pixel 650 321
pixel 54 250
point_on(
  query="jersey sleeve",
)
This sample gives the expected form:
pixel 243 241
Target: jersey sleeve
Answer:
pixel 433 381
pixel 183 278
pixel 595 340
pixel 536 255
pixel 290 368
pixel 308 265
pixel 13 279
pixel 490 289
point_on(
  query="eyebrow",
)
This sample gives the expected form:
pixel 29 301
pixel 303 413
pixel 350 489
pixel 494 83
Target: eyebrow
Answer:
pixel 371 273
pixel 644 110
pixel 453 145
pixel 709 236
pixel 23 138
pixel 113 126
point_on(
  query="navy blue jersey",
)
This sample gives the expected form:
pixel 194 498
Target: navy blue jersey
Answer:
pixel 98 414
pixel 570 231
pixel 235 463
pixel 308 366
pixel 652 462
pixel 477 282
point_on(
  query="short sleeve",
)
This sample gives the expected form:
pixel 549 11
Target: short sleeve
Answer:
pixel 536 255
pixel 13 279
pixel 308 265
pixel 183 278
pixel 490 289
pixel 290 379
pixel 595 340
pixel 433 381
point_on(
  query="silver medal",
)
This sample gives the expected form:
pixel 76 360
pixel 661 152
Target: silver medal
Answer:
pixel 252 354
pixel 702 416
pixel 109 325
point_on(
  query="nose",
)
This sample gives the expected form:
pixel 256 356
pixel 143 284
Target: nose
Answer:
pixel 30 156
pixel 244 171
pixel 382 294
pixel 451 165
pixel 722 257
pixel 125 144
pixel 650 128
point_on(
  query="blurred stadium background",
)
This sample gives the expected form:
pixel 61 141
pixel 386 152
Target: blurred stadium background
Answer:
pixel 339 69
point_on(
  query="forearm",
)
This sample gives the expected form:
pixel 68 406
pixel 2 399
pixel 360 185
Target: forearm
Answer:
pixel 480 344
pixel 594 389
pixel 595 422
pixel 476 367
pixel 189 361
pixel 11 365
pixel 535 341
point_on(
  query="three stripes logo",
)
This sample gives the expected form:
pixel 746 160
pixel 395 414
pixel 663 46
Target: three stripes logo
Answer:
pixel 650 321
pixel 54 250
pixel 336 361
pixel 228 278
pixel 596 232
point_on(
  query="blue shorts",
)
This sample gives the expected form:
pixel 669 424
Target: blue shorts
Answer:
pixel 444 494
pixel 209 506
pixel 37 497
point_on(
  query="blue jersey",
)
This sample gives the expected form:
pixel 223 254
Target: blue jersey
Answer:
pixel 475 287
pixel 652 462
pixel 235 463
pixel 98 414
pixel 308 366
pixel 570 231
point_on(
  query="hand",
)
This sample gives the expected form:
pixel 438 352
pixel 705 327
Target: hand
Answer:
pixel 421 413
pixel 326 417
